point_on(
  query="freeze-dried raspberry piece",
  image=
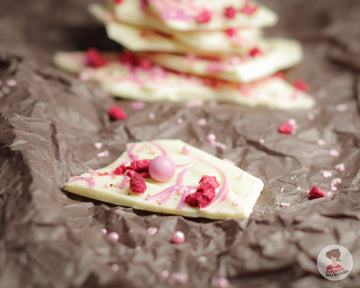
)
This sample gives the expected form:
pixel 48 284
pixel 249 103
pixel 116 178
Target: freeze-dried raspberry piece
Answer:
pixel 203 17
pixel 131 173
pixel 140 166
pixel 230 12
pixel 145 64
pixel 119 170
pixel 289 127
pixel 210 180
pixel 300 85
pixel 230 32
pixel 202 197
pixel 127 58
pixel 255 52
pixel 249 9
pixel 204 193
pixel 137 183
pixel 117 113
pixel 286 128
pixel 316 192
pixel 94 58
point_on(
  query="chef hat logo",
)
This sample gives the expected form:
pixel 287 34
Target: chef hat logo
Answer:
pixel 335 262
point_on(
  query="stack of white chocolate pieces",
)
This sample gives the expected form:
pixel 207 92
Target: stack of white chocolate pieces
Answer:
pixel 180 50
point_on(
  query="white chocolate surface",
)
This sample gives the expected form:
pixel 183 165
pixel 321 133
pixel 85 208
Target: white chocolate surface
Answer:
pixel 158 84
pixel 279 54
pixel 131 12
pixel 240 190
pixel 139 38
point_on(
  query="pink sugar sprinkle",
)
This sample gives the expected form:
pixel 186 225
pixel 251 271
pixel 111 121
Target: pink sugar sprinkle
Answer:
pixel 202 122
pixel 195 103
pixel 107 185
pixel 326 174
pixel 180 278
pixel 311 117
pixel 11 82
pixel 104 231
pixel 114 236
pixel 340 167
pixel 138 248
pixel 103 154
pixel 222 282
pixel 164 274
pixel 334 182
pixel 211 138
pixel 179 121
pixel 321 142
pixel 151 231
pixel 235 203
pixel 284 204
pixel 137 105
pixel 178 237
pixel 333 153
pixel 115 267
pixel 83 76
pixel 186 150
pixel 262 141
pixel 151 116
pixel 98 145
pixel 341 107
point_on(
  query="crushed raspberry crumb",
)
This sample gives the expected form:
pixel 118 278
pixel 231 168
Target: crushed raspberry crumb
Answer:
pixel 316 192
pixel 137 183
pixel 249 9
pixel 118 1
pixel 204 193
pixel 145 64
pixel 300 85
pixel 255 52
pixel 230 32
pixel 209 179
pixel 230 12
pixel 289 127
pixel 279 75
pixel 127 58
pixel 117 113
pixel 203 17
pixel 140 166
pixel 119 170
pixel 94 58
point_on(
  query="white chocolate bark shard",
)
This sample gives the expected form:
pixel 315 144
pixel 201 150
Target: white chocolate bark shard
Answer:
pixel 198 42
pixel 235 198
pixel 136 39
pixel 156 84
pixel 155 16
pixel 279 54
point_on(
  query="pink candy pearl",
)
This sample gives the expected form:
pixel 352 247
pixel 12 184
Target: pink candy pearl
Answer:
pixel 162 169
pixel 178 237
pixel 186 150
pixel 114 236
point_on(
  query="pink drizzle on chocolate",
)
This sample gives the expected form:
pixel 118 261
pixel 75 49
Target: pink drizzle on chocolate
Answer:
pixel 123 183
